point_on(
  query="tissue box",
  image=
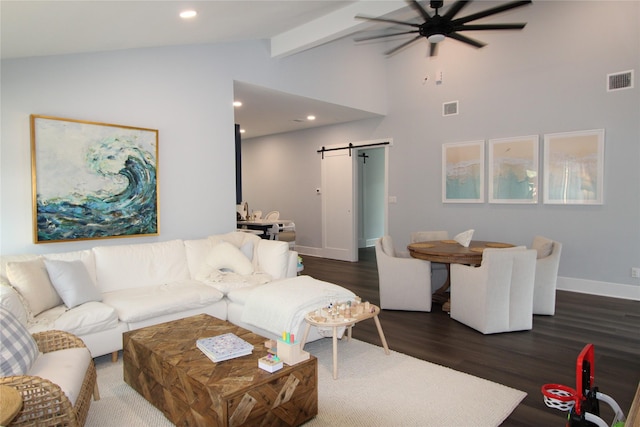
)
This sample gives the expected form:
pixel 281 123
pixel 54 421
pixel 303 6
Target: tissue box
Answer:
pixel 270 364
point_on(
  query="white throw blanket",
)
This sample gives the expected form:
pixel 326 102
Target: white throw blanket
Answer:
pixel 280 306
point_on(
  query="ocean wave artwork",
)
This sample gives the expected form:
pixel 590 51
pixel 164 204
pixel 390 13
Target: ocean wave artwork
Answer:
pixel 463 172
pixel 93 180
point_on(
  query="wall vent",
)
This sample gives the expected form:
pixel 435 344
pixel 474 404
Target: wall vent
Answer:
pixel 450 108
pixel 619 81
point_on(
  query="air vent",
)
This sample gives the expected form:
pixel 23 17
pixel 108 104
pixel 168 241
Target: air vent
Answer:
pixel 450 108
pixel 619 81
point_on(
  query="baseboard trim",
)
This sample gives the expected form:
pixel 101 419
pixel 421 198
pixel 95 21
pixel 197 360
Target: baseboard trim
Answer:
pixel 593 287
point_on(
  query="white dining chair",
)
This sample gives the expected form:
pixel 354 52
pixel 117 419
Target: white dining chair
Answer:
pixel 439 271
pixel 405 283
pixel 547 265
pixel 497 296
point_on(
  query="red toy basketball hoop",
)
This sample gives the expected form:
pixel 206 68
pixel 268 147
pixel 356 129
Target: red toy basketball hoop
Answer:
pixel 583 404
pixel 559 396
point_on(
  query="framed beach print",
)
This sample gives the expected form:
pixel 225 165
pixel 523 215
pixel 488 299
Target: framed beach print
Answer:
pixel 92 180
pixel 513 170
pixel 463 172
pixel 574 168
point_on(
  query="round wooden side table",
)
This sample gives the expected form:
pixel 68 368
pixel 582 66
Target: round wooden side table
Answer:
pixel 10 404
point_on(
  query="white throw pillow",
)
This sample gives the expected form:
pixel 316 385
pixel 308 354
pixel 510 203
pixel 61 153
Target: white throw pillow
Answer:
pixel 72 281
pixel 30 278
pixel 226 255
pixel 19 350
pixel 247 249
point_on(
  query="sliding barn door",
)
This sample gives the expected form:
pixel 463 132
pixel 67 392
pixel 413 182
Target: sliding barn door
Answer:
pixel 338 205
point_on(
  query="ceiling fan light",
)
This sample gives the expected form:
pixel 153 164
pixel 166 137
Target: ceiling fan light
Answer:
pixel 435 38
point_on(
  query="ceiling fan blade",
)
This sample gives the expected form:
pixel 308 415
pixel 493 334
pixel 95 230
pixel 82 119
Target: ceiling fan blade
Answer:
pixel 391 21
pixel 466 39
pixel 403 45
pixel 433 49
pixel 421 10
pixel 491 11
pixel 379 36
pixel 489 27
pixel 454 9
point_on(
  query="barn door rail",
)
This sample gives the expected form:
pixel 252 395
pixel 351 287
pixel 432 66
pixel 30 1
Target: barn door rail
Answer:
pixel 351 147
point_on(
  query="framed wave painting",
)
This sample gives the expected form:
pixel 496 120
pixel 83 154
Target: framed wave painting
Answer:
pixel 463 172
pixel 92 180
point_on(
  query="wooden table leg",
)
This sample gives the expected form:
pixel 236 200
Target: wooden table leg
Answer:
pixel 440 295
pixel 304 336
pixel 382 338
pixel 335 352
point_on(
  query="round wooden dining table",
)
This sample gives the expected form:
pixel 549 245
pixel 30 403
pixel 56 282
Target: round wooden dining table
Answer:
pixel 451 252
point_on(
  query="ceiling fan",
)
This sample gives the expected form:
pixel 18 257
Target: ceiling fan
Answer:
pixel 437 27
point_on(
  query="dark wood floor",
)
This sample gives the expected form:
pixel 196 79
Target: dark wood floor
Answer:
pixel 522 360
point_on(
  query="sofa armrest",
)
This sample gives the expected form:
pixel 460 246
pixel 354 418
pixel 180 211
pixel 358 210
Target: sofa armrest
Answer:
pixel 53 340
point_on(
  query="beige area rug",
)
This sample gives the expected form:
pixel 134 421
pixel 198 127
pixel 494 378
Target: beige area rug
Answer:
pixel 372 389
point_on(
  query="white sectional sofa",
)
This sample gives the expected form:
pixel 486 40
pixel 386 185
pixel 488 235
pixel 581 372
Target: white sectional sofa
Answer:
pixel 98 294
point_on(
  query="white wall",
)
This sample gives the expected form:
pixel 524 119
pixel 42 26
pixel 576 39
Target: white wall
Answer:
pixel 544 79
pixel 184 92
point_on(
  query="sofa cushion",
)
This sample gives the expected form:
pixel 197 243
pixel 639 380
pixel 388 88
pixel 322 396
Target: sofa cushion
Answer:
pixel 197 251
pixel 65 368
pixel 140 265
pixel 31 279
pixel 240 295
pixel 134 305
pixel 72 282
pixel 84 319
pixel 19 350
pixel 273 258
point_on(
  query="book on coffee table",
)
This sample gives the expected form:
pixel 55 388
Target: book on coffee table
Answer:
pixel 224 347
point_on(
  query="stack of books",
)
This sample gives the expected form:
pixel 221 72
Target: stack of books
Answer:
pixel 224 347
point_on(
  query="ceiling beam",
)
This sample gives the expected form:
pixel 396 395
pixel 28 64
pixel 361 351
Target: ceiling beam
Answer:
pixel 330 27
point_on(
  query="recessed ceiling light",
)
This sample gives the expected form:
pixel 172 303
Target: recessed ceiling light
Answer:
pixel 237 104
pixel 188 14
pixel 311 117
pixel 242 131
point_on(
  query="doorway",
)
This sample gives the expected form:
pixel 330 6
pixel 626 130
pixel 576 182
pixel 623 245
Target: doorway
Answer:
pixel 354 207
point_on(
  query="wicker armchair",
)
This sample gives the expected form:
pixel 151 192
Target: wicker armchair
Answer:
pixel 44 403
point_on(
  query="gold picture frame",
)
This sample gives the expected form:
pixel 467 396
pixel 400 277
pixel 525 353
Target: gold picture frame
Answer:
pixel 92 180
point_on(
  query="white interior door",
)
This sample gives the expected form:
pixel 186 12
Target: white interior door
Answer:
pixel 338 205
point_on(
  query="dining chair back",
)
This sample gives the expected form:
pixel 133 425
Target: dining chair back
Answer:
pixel 405 283
pixel 497 296
pixel 272 216
pixel 439 273
pixel 547 264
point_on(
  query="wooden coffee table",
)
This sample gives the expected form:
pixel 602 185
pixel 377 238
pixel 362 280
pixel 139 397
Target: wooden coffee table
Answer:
pixel 163 364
